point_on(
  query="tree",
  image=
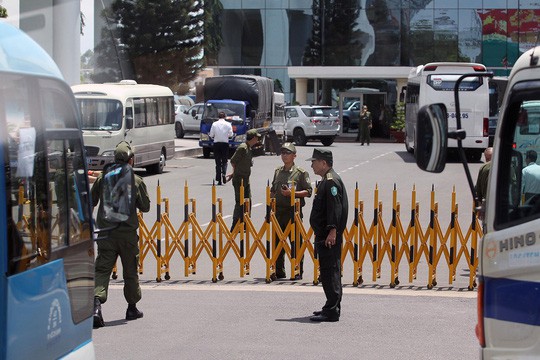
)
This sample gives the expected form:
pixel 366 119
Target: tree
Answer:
pixel 3 12
pixel 151 41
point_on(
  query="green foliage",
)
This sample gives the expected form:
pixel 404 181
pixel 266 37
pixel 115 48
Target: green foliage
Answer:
pixel 3 12
pixel 151 41
pixel 398 122
pixel 212 31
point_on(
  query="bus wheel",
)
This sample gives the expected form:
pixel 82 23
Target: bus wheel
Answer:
pixel 206 152
pixel 299 137
pixel 179 130
pixel 157 168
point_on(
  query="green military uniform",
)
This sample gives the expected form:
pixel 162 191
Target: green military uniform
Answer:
pixel 123 241
pixel 330 210
pixel 364 128
pixel 284 213
pixel 482 181
pixel 242 161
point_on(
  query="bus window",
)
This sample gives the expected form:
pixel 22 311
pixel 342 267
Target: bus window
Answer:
pixel 100 114
pixel 140 119
pixel 444 82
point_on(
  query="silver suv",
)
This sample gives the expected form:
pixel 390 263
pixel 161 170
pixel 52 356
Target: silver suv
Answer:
pixel 188 121
pixel 308 122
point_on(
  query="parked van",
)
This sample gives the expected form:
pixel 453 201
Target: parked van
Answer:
pixel 141 114
pixel 509 255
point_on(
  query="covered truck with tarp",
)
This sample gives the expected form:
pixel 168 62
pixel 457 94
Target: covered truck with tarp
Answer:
pixel 248 103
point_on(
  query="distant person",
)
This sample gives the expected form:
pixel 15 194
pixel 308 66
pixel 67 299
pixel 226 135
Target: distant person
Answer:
pixel 242 161
pixel 122 241
pixel 364 126
pixel 221 131
pixel 531 175
pixel 483 175
pixel 284 177
pixel 328 220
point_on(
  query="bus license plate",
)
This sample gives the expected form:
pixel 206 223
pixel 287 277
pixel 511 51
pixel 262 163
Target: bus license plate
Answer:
pixel 452 115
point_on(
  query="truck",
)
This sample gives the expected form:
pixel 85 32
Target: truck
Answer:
pixel 508 312
pixel 249 102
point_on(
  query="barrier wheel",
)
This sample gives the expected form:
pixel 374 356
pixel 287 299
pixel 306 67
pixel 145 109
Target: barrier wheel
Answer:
pixel 434 282
pixel 268 281
pixel 158 279
pixel 393 285
pixel 167 276
pixel 397 280
pixel 214 280
pixel 430 286
pixel 273 277
pixel 220 276
pixel 315 282
pixel 360 280
pixel 470 288
pixel 115 276
pixel 474 284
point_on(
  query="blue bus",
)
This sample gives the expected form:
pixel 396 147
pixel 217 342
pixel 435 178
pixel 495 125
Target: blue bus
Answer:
pixel 46 234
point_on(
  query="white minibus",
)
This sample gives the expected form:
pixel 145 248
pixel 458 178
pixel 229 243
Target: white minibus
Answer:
pixel 141 114
pixel 434 83
pixel 509 253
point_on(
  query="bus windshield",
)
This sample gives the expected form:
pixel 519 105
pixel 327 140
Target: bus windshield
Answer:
pixel 234 112
pixel 442 82
pixel 100 114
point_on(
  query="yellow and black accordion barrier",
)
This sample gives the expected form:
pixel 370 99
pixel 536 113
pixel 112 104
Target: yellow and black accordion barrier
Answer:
pixel 367 239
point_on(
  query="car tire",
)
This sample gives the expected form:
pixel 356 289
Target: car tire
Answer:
pixel 327 141
pixel 346 125
pixel 179 130
pixel 299 137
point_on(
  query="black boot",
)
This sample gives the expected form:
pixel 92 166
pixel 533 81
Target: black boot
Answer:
pixel 132 313
pixel 98 317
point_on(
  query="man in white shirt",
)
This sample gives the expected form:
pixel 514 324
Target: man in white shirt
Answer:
pixel 531 175
pixel 221 131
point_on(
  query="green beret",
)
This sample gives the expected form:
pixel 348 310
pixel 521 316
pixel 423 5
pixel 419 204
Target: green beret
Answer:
pixel 252 133
pixel 321 154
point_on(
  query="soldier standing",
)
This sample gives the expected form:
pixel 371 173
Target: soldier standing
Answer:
pixel 284 178
pixel 122 241
pixel 364 126
pixel 241 162
pixel 328 220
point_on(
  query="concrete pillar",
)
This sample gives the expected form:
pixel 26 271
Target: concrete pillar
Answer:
pixel 301 91
pixel 400 83
pixel 67 39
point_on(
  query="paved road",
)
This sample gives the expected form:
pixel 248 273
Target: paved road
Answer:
pixel 237 321
pixel 245 318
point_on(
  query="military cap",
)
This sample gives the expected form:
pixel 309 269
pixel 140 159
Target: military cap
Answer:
pixel 321 154
pixel 252 133
pixel 289 146
pixel 123 152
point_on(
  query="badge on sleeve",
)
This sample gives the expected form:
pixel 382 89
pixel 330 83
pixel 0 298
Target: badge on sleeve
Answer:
pixel 333 190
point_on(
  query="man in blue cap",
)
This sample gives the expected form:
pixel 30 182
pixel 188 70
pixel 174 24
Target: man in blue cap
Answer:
pixel 328 220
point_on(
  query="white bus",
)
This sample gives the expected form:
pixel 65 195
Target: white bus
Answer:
pixel 140 114
pixel 434 83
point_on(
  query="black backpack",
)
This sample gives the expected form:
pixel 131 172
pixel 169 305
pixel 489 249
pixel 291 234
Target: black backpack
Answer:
pixel 118 192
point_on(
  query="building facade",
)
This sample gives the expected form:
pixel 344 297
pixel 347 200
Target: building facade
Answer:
pixel 354 43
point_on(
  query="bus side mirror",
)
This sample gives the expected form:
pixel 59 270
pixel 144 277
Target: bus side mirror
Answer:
pixel 431 138
pixel 129 122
